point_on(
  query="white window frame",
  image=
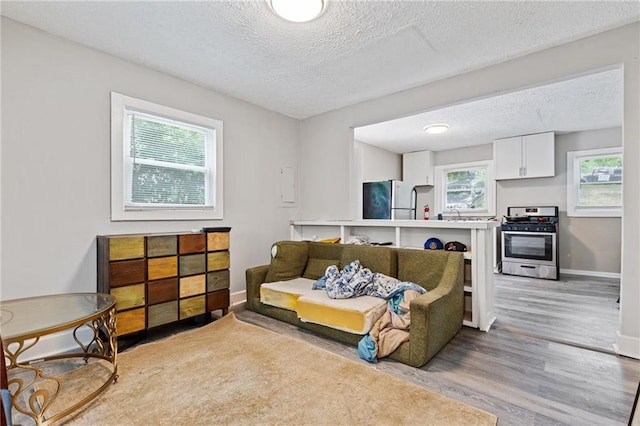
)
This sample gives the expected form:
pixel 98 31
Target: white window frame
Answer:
pixel 440 189
pixel 120 173
pixel 573 184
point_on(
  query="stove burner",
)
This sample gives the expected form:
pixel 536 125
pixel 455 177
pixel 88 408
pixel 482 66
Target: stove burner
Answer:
pixel 530 227
pixel 534 219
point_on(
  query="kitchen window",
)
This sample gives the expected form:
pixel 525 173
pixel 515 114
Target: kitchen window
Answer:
pixel 594 183
pixel 166 163
pixel 466 188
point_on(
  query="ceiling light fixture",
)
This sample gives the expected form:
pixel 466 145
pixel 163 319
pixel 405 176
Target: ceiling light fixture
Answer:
pixel 436 128
pixel 297 10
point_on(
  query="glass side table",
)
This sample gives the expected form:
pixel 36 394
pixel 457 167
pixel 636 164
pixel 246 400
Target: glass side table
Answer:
pixel 23 322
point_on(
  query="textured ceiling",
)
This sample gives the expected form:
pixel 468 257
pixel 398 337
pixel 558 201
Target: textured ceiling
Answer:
pixel 355 51
pixel 586 103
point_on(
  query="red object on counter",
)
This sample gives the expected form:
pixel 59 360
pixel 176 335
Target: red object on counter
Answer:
pixel 426 212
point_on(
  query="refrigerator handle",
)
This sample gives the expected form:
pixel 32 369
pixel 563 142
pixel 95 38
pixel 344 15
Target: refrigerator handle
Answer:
pixel 414 202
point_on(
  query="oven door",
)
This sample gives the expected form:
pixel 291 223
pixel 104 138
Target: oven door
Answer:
pixel 529 247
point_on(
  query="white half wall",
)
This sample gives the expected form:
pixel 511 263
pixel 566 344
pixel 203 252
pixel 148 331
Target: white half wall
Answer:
pixel 329 137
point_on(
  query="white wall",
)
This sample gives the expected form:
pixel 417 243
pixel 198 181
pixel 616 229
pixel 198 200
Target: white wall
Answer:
pixel 55 162
pixel 379 164
pixel 371 163
pixel 330 136
pixel 586 244
pixel 465 155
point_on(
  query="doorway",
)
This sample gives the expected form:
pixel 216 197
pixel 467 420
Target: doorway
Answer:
pixel 558 107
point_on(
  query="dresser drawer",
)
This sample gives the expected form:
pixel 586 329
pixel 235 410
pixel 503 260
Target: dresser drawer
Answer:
pixel 130 321
pixel 162 245
pixel 163 313
pixel 218 280
pixel 218 260
pixel 217 241
pixel 129 296
pixel 162 267
pixel 191 286
pixel 192 306
pixel 163 290
pixel 192 243
pixel 126 272
pixel 192 264
pixel 126 248
pixel 218 300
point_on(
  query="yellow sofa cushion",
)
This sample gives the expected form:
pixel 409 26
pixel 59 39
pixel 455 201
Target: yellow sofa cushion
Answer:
pixel 285 294
pixel 355 315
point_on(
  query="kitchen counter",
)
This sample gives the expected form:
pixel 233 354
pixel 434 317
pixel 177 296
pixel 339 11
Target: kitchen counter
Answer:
pixel 447 223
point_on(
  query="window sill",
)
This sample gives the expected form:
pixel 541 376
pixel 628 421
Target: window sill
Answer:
pixel 164 214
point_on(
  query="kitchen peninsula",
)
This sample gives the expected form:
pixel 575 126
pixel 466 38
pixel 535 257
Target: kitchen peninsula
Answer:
pixel 477 235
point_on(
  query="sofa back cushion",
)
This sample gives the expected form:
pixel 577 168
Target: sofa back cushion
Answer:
pixel 321 256
pixel 378 259
pixel 288 260
pixel 423 267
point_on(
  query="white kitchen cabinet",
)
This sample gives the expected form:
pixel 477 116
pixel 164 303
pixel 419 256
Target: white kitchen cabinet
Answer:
pixel 417 168
pixel 527 156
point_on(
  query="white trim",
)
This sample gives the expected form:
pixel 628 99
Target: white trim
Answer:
pixel 590 273
pixel 238 298
pixel 573 179
pixel 490 194
pixel 118 210
pixel 627 346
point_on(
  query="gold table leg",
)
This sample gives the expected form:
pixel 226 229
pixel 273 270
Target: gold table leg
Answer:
pixel 24 376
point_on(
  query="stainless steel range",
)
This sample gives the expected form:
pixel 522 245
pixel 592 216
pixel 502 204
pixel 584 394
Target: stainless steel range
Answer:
pixel 530 242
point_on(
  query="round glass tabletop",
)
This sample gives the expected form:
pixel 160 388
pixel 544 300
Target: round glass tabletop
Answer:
pixel 47 314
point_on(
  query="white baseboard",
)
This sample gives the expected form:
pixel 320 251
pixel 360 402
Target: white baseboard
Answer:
pixel 238 298
pixel 628 346
pixel 591 273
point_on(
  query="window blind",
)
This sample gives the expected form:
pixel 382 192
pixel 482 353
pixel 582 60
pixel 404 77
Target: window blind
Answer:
pixel 166 161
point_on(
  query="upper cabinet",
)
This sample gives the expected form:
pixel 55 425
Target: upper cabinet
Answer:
pixel 522 157
pixel 417 168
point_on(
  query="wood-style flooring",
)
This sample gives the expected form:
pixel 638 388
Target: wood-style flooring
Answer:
pixel 522 379
pixel 578 310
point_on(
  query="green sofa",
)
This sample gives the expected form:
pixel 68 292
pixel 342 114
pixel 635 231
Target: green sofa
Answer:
pixel 436 316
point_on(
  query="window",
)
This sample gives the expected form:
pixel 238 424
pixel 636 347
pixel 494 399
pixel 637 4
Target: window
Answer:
pixel 166 164
pixel 594 183
pixel 468 188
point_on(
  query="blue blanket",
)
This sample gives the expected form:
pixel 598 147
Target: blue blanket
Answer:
pixel 355 280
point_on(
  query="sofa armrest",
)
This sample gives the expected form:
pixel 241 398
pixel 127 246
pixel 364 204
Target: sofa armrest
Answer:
pixel 437 315
pixel 255 277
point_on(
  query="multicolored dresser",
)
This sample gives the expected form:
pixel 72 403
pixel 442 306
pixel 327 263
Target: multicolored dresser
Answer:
pixel 159 279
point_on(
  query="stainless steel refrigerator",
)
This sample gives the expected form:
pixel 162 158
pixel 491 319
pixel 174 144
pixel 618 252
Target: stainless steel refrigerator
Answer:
pixel 388 199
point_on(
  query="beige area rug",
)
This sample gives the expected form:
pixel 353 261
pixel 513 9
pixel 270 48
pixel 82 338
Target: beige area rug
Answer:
pixel 231 372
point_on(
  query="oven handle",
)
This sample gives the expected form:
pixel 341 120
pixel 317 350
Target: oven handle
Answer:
pixel 528 233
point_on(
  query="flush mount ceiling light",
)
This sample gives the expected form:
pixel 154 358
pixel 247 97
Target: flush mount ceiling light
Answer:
pixel 436 128
pixel 297 10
